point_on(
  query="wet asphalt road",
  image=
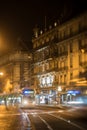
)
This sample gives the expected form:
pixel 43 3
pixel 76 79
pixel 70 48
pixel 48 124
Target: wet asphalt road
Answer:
pixel 43 118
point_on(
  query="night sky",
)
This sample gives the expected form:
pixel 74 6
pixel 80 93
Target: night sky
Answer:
pixel 19 17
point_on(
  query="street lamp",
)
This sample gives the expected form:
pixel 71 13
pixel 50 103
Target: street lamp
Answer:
pixel 59 94
pixel 1 73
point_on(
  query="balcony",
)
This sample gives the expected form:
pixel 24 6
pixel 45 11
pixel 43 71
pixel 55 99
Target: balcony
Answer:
pixel 63 54
pixel 62 69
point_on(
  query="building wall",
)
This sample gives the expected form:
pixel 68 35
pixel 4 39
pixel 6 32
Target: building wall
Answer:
pixel 16 67
pixel 59 54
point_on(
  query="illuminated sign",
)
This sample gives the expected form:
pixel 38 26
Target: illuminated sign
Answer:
pixel 27 91
pixel 73 92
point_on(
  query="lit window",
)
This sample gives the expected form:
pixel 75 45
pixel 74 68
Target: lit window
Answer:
pixel 48 80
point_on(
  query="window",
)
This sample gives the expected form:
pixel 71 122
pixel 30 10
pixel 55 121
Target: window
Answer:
pixel 71 30
pixel 43 67
pixel 71 61
pixel 71 47
pixel 47 39
pixel 64 32
pixel 60 49
pixel 80 43
pixel 48 80
pixel 56 64
pixel 61 78
pixel 46 66
pixel 34 45
pixel 71 76
pixel 46 53
pixel 65 78
pixel 42 42
pixel 80 26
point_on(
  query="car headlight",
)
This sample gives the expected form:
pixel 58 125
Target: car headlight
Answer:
pixel 25 102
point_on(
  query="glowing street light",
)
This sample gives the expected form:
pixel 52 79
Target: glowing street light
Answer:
pixel 1 73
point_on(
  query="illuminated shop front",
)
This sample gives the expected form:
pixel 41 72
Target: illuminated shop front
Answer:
pixel 71 94
pixel 46 81
pixel 47 92
pixel 46 97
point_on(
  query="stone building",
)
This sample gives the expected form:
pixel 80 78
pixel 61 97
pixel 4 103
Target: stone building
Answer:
pixel 60 59
pixel 16 71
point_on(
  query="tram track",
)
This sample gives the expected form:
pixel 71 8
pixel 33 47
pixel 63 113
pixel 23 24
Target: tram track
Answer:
pixel 50 120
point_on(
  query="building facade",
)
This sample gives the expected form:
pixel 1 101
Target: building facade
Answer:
pixel 60 60
pixel 16 71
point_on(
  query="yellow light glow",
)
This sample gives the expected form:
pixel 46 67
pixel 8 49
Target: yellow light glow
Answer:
pixel 1 73
pixel 82 50
pixel 8 86
pixel 59 89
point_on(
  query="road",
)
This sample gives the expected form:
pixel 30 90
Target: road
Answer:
pixel 45 118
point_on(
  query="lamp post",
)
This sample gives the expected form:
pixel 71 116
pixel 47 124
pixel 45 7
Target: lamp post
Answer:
pixel 59 94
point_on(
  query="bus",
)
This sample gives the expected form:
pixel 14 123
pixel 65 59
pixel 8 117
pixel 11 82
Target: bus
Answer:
pixel 28 98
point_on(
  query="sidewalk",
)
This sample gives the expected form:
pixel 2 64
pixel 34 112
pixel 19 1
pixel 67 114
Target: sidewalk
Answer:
pixel 10 118
pixel 59 106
